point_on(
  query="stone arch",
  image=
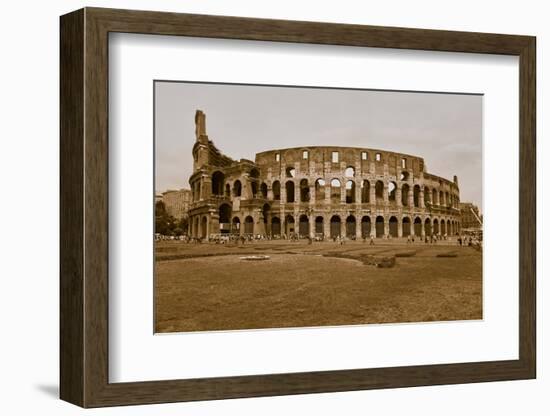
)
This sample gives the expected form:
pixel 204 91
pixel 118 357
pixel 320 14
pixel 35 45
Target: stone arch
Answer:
pixel 449 228
pixel 227 190
pixel 418 226
pixel 406 226
pixel 237 188
pixel 304 190
pixel 379 190
pixel 351 227
pixel 350 192
pixel 218 178
pixel 416 196
pixel 428 227
pixel 335 190
pixel 441 198
pixel 365 191
pixel 443 227
pixel 392 192
pixel 290 172
pixel 405 189
pixel 289 225
pixel 320 189
pixel 404 176
pixel 335 226
pixel 435 199
pixel 427 196
pixel 224 212
pixel 303 226
pixel 365 226
pixel 379 226
pixel 289 187
pixel 319 225
pixel 436 226
pixel 276 187
pixel 275 226
pixel 254 173
pixel 393 226
pixel 235 225
pixel 349 172
pixel 263 190
pixel 249 225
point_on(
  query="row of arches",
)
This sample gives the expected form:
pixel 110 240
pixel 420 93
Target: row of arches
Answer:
pixel 336 191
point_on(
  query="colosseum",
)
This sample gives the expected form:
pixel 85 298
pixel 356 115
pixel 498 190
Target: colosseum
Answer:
pixel 317 192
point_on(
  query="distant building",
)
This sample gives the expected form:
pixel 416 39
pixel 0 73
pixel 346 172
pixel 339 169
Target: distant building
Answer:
pixel 177 202
pixel 470 216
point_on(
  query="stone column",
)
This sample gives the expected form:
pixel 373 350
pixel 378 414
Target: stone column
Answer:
pixel 412 227
pixel 297 192
pixel 270 192
pixel 312 195
pixel 421 198
pixel 398 196
pixel 357 191
pixel 311 225
pixel 372 196
pixel 386 226
pixel 283 193
pixel 400 227
pixel 326 226
pixel 342 190
pixel 411 197
pixel 385 192
pixel 358 235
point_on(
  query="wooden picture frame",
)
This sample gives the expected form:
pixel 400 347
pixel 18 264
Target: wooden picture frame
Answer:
pixel 84 207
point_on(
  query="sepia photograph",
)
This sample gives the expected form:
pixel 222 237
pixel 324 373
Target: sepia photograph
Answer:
pixel 297 206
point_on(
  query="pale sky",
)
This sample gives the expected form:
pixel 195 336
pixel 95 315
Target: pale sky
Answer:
pixel 242 120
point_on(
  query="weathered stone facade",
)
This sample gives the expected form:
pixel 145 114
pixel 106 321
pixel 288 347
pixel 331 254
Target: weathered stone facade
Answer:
pixel 327 191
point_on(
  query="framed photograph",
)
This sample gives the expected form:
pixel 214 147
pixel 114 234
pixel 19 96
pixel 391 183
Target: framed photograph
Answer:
pixel 255 207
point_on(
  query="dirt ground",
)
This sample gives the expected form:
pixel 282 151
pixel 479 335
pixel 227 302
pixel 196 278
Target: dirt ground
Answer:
pixel 204 287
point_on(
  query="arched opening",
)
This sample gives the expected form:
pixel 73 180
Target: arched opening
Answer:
pixel 266 211
pixel 441 198
pixel 435 200
pixel 428 227
pixel 350 192
pixel 320 189
pixel 254 188
pixel 218 179
pixel 436 227
pixel 393 227
pixel 404 176
pixel 447 200
pixel 289 225
pixel 290 172
pixel 276 187
pixel 443 227
pixel 335 226
pixel 379 190
pixel 289 186
pixel 319 225
pixel 416 196
pixel 449 228
pixel 254 173
pixel 263 190
pixel 365 192
pixel 405 195
pixel 249 225
pixel 304 191
pixel 204 227
pixel 225 218
pixel 237 188
pixel 235 225
pixel 351 226
pixel 379 226
pixel 417 226
pixel 349 172
pixel 406 226
pixel 427 196
pixel 227 190
pixel 275 226
pixel 392 190
pixel 365 226
pixel 303 226
pixel 335 190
